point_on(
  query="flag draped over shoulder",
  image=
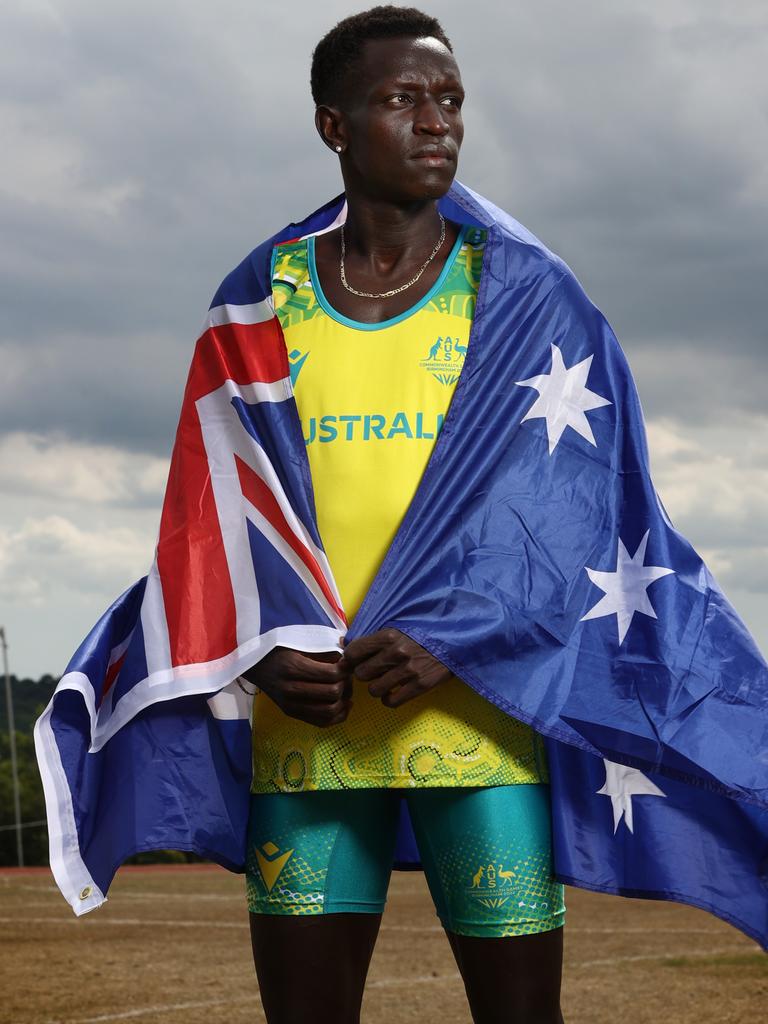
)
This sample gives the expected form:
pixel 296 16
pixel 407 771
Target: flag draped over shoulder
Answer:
pixel 535 561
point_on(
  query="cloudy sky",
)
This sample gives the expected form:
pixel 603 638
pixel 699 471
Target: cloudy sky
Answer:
pixel 148 146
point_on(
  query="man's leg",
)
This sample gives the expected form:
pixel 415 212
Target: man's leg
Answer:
pixel 487 857
pixel 313 969
pixel 512 980
pixel 317 877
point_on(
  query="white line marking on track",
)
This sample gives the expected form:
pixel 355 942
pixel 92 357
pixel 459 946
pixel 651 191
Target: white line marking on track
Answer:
pixel 91 922
pixel 33 903
pixel 572 930
pixel 611 962
pixel 643 931
pixel 137 1013
pixel 188 897
pixel 31 888
pixel 127 921
pixel 387 982
pixel 145 1011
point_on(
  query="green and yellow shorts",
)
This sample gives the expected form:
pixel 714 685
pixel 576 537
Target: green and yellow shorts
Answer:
pixel 486 854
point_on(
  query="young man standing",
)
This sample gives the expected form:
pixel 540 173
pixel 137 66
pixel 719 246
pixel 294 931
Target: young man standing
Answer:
pixel 376 315
pixel 410 500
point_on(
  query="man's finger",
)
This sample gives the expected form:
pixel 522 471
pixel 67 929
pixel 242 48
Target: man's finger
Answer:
pixel 378 664
pixel 366 646
pixel 397 676
pixel 401 695
pixel 308 669
pixel 309 693
pixel 342 715
pixel 320 716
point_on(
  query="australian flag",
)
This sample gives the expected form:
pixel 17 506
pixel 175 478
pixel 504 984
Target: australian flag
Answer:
pixel 535 561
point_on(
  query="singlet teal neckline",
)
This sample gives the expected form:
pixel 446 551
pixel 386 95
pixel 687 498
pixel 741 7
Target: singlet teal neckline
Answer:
pixel 360 325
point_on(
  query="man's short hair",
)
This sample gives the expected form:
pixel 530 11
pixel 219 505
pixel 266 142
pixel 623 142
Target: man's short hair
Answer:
pixel 341 48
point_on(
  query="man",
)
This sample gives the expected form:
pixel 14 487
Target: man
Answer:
pixel 389 103
pixel 412 376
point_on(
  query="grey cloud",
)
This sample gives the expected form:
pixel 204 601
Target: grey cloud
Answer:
pixel 630 139
pixel 126 390
pixel 592 124
pixel 639 157
pixel 696 386
pixel 149 146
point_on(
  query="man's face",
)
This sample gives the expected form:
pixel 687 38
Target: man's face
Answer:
pixel 402 118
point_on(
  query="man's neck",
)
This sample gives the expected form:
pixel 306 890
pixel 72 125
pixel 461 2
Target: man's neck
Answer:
pixel 382 236
pixel 385 247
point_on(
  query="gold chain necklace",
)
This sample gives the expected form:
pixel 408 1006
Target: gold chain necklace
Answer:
pixel 392 291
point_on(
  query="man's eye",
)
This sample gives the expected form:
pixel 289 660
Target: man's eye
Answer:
pixel 454 101
pixel 401 96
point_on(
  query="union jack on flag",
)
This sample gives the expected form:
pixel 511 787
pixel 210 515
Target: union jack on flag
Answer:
pixel 239 568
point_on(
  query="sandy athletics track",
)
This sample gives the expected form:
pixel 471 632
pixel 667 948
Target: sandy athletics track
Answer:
pixel 172 946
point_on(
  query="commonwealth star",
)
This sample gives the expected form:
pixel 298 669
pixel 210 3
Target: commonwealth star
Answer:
pixel 564 399
pixel 621 784
pixel 625 589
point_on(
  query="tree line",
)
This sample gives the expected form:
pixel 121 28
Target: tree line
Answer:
pixel 30 698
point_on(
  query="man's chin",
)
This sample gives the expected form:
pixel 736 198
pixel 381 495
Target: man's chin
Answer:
pixel 414 189
pixel 433 185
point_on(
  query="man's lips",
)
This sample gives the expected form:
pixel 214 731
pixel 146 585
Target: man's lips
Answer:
pixel 434 155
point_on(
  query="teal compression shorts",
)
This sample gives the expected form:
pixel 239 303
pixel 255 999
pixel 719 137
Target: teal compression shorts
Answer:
pixel 486 854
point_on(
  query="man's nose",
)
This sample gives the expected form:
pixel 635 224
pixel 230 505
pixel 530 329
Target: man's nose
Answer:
pixel 430 119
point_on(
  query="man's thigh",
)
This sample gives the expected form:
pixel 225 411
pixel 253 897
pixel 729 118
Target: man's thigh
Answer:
pixel 487 855
pixel 317 874
pixel 324 852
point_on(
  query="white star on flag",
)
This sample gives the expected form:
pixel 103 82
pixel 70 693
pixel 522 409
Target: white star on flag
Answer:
pixel 563 399
pixel 621 784
pixel 625 589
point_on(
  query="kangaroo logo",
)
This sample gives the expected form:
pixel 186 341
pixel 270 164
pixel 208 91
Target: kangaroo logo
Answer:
pixel 488 893
pixel 445 359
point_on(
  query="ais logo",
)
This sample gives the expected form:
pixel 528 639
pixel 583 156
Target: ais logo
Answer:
pixel 445 359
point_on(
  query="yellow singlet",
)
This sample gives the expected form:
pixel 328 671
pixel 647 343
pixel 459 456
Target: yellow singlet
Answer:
pixel 372 399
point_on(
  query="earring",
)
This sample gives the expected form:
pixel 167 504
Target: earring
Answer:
pixel 337 148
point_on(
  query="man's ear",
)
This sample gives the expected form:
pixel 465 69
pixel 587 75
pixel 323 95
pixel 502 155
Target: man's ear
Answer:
pixel 329 122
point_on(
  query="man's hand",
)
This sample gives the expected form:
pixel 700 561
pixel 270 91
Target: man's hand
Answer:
pixel 396 668
pixel 315 688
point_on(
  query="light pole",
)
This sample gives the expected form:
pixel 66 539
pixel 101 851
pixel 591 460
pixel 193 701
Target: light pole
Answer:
pixel 12 736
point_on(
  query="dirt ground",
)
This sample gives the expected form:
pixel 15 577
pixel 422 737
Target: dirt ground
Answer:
pixel 172 946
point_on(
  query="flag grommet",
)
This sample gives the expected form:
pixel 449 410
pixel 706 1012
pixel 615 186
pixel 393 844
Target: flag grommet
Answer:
pixel 85 892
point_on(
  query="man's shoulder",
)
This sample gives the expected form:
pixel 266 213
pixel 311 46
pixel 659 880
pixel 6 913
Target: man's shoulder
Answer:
pixel 250 281
pixel 513 236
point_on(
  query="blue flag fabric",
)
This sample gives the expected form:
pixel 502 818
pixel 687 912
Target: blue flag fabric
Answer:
pixel 536 561
pixel 572 601
pixel 616 830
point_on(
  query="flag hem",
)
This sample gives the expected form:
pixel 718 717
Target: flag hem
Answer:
pixel 668 896
pixel 67 866
pixel 168 684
